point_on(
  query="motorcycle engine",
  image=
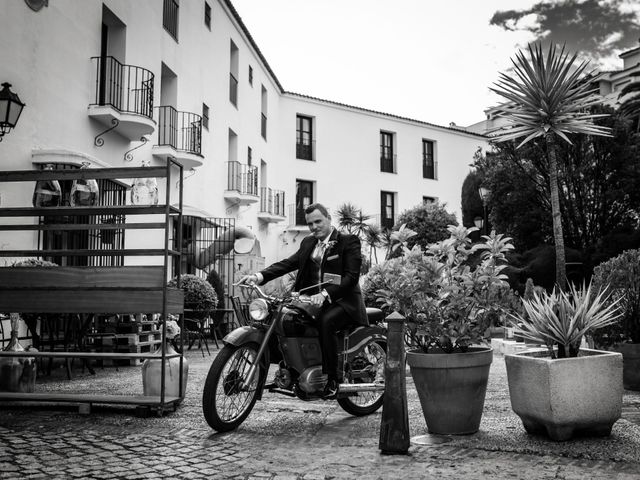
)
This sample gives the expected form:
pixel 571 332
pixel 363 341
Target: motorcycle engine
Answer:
pixel 312 379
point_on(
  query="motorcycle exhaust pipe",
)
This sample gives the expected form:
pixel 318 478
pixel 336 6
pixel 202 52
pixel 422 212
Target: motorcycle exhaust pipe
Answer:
pixel 360 387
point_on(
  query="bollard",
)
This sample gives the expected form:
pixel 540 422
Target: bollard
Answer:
pixel 394 427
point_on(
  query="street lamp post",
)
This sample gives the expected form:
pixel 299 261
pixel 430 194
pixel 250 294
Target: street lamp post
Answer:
pixel 484 193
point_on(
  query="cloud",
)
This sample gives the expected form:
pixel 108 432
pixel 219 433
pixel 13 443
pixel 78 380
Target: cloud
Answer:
pixel 596 30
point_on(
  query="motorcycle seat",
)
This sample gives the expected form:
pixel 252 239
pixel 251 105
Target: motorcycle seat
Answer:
pixel 375 315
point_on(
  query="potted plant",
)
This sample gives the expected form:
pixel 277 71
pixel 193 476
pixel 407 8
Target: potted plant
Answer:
pixel 199 296
pixel 562 389
pixel 450 302
pixel 622 276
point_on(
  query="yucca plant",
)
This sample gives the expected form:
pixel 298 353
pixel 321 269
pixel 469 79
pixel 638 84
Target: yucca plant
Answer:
pixel 561 319
pixel 548 96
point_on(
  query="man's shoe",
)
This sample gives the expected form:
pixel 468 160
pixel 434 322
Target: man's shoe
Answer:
pixel 330 389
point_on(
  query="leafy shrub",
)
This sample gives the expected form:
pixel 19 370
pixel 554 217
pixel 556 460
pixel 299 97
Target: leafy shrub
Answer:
pixel 199 295
pixel 450 303
pixel 621 275
pixel 429 221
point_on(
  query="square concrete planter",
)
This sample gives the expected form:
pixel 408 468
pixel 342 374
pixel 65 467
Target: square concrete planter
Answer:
pixel 568 396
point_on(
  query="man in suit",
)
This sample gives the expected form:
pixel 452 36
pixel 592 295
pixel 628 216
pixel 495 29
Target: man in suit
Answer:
pixel 325 251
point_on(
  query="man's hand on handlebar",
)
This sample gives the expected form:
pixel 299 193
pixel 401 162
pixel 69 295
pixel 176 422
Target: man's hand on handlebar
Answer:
pixel 251 279
pixel 317 299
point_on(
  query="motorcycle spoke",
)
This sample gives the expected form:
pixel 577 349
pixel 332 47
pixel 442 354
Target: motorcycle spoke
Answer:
pixel 231 398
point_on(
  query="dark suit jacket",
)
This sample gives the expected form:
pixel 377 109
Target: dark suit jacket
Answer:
pixel 344 259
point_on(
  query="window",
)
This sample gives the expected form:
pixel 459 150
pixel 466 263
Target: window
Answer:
pixel 233 74
pixel 263 119
pixel 304 137
pixel 428 164
pixel 249 155
pixel 205 116
pixel 207 15
pixel 428 200
pixel 387 209
pixel 170 17
pixel 250 75
pixel 386 152
pixel 304 198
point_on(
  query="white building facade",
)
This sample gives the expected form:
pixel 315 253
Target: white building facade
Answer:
pixel 121 83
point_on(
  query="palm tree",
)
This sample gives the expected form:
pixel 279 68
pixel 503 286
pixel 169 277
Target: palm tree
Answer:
pixel 630 106
pixel 373 238
pixel 548 97
pixel 347 214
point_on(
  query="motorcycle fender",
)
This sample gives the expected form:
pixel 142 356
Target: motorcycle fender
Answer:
pixel 244 335
pixel 361 335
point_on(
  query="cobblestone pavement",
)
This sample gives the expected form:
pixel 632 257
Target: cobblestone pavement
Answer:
pixel 285 438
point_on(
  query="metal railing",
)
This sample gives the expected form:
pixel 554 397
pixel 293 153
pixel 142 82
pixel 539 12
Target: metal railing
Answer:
pixel 388 163
pixel 305 150
pixel 126 88
pixel 242 178
pixel 170 17
pixel 272 201
pixel 384 221
pixel 180 130
pixel 429 166
pixel 233 89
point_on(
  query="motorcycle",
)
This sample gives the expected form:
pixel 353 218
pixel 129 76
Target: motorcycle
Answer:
pixel 282 332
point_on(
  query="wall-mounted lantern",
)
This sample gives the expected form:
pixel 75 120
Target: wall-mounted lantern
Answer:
pixel 10 109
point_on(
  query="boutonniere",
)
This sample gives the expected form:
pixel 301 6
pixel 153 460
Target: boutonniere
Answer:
pixel 331 244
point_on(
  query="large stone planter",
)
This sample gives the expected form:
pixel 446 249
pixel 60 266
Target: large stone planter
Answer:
pixel 564 397
pixel 451 388
pixel 631 369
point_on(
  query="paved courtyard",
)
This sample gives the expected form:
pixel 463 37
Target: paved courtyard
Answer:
pixel 288 439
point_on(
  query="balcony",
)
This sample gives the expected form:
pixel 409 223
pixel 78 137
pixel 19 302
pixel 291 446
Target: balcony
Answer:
pixel 306 150
pixel 179 136
pixel 123 98
pixel 388 163
pixel 271 205
pixel 242 183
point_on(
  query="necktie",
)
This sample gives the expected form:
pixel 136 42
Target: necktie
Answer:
pixel 318 252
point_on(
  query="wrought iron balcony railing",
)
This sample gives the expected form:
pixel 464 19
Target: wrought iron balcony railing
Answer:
pixel 242 178
pixel 272 201
pixel 180 130
pixel 127 88
pixel 170 17
pixel 429 167
pixel 388 163
pixel 305 149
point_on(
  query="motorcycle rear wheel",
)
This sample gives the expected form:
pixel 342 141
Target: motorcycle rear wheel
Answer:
pixel 374 354
pixel 224 403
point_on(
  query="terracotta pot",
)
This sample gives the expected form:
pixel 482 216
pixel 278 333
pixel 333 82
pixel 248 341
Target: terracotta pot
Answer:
pixel 568 396
pixel 451 388
pixel 631 369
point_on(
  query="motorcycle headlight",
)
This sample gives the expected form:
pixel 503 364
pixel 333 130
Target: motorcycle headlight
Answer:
pixel 258 309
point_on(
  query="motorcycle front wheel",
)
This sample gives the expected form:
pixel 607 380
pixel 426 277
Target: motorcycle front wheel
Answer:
pixel 226 401
pixel 367 366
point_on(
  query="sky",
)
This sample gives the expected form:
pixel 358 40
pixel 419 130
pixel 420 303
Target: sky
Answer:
pixel 430 60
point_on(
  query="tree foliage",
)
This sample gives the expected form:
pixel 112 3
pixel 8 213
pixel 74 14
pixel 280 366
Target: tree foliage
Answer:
pixel 598 178
pixel 548 97
pixel 429 221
